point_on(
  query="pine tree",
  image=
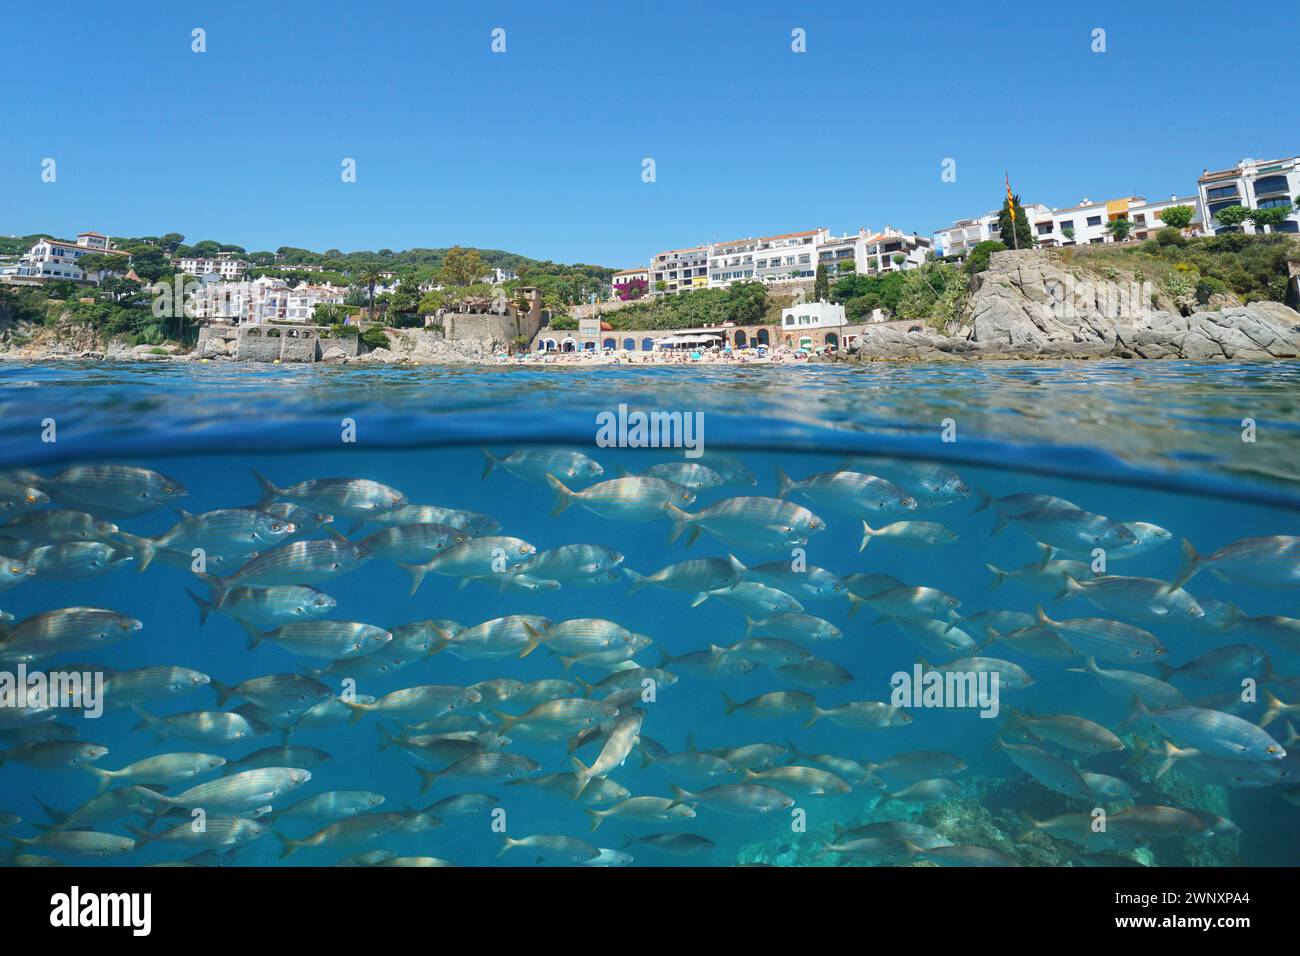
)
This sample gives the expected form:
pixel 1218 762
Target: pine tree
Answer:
pixel 1024 236
pixel 821 284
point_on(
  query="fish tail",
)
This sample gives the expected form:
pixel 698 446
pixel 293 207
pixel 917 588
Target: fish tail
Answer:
pixel 1032 824
pixel 815 715
pixel 142 549
pixel 1165 670
pixel 204 607
pixel 255 637
pixel 218 586
pixel 596 818
pixel 224 691
pixel 105 777
pixel 507 844
pixel 288 845
pixel 985 500
pixel 730 704
pixel 993 637
pixel 489 462
pixel 1172 754
pixel 784 486
pixel 146 720
pixel 1072 587
pixel 582 776
pixel 868 533
pixel 587 686
pixel 506 720
pixel 999 576
pixel 386 739
pixel 855 604
pixel 1041 616
pixel 699 599
pixel 680 520
pixel 358 709
pixel 534 638
pixel 269 491
pixel 638 581
pixel 680 796
pixel 563 496
pixel 750 624
pixel 417 573
pixel 1049 552
pixel 1191 564
pixel 998 525
pixel 427 778
pixel 1274 709
pixel 143 836
pixel 1137 710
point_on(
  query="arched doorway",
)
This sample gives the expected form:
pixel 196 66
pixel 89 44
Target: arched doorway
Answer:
pixel 629 345
pixel 647 344
pixel 832 340
pixel 761 337
pixel 609 344
pixel 741 339
pixel 569 345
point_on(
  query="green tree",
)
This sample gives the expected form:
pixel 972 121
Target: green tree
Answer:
pixel 1232 216
pixel 1179 217
pixel 1021 236
pixel 1273 216
pixel 821 284
pixel 1119 229
pixel 461 266
pixel 1068 232
pixel 370 276
pixel 978 259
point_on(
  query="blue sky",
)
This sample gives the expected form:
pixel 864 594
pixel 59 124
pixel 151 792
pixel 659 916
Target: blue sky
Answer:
pixel 539 150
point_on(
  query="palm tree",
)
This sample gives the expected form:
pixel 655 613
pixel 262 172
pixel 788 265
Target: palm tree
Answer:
pixel 370 276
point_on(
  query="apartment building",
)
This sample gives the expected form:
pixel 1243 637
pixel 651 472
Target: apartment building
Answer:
pixel 224 265
pixel 300 306
pixel 788 257
pixel 51 260
pixel 245 301
pixel 965 234
pixel 731 262
pixel 1255 184
pixel 892 250
pixel 678 270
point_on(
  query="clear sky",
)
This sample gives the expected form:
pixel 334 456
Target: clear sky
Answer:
pixel 539 149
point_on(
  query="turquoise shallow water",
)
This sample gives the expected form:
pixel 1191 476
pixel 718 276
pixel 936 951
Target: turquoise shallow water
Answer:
pixel 1151 443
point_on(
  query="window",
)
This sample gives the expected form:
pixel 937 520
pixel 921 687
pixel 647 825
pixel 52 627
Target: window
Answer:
pixel 1275 202
pixel 1094 220
pixel 1271 184
pixel 1066 224
pixel 1222 192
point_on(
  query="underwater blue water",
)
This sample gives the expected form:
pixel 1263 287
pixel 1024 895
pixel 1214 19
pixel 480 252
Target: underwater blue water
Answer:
pixel 1150 446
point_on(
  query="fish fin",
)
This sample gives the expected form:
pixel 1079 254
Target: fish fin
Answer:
pixel 489 462
pixel 218 586
pixel 680 520
pixel 1165 670
pixel 204 607
pixel 105 777
pixel 358 709
pixel 563 496
pixel 784 486
pixel 334 532
pixel 1048 553
pixel 1191 564
pixel 1172 754
pixel 692 536
pixel 680 796
pixel 985 500
pixel 582 775
pixel 287 845
pixel 507 721
pixel 1137 710
pixel 143 836
pixel 867 534
pixel 816 715
pixel 427 777
pixel 699 599
pixel 638 581
pixel 534 638
pixel 1072 588
pixel 587 687
pixel 143 549
pixel 855 604
pixel 224 691
pixel 730 704
pixel 1274 709
pixel 999 576
pixel 1041 616
pixel 507 844
pixel 417 573
pixel 269 491
pixel 596 818
pixel 750 624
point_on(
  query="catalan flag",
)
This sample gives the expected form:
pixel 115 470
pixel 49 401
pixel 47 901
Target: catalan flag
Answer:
pixel 1011 202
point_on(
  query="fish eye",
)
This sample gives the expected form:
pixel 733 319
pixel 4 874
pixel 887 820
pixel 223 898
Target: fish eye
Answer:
pixel 31 499
pixel 275 527
pixel 15 570
pixel 167 489
pixel 1272 749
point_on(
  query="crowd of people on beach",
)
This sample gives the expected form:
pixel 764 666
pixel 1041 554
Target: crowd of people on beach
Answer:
pixel 714 355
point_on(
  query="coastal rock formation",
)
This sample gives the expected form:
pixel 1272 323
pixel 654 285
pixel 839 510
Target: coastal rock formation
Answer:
pixel 1026 306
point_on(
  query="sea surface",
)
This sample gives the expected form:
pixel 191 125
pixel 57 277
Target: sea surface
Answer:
pixel 1210 454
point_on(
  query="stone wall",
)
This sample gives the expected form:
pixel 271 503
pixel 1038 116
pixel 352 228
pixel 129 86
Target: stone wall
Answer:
pixel 268 342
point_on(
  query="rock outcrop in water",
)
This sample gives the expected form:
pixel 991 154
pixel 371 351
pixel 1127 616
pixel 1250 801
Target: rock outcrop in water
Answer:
pixel 1026 306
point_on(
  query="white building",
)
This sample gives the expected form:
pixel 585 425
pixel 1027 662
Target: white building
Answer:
pixel 52 260
pixel 499 276
pixel 1255 184
pixel 224 265
pixel 678 270
pixel 622 280
pixel 303 299
pixel 731 262
pixel 965 234
pixel 812 315
pixel 259 300
pixel 788 257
